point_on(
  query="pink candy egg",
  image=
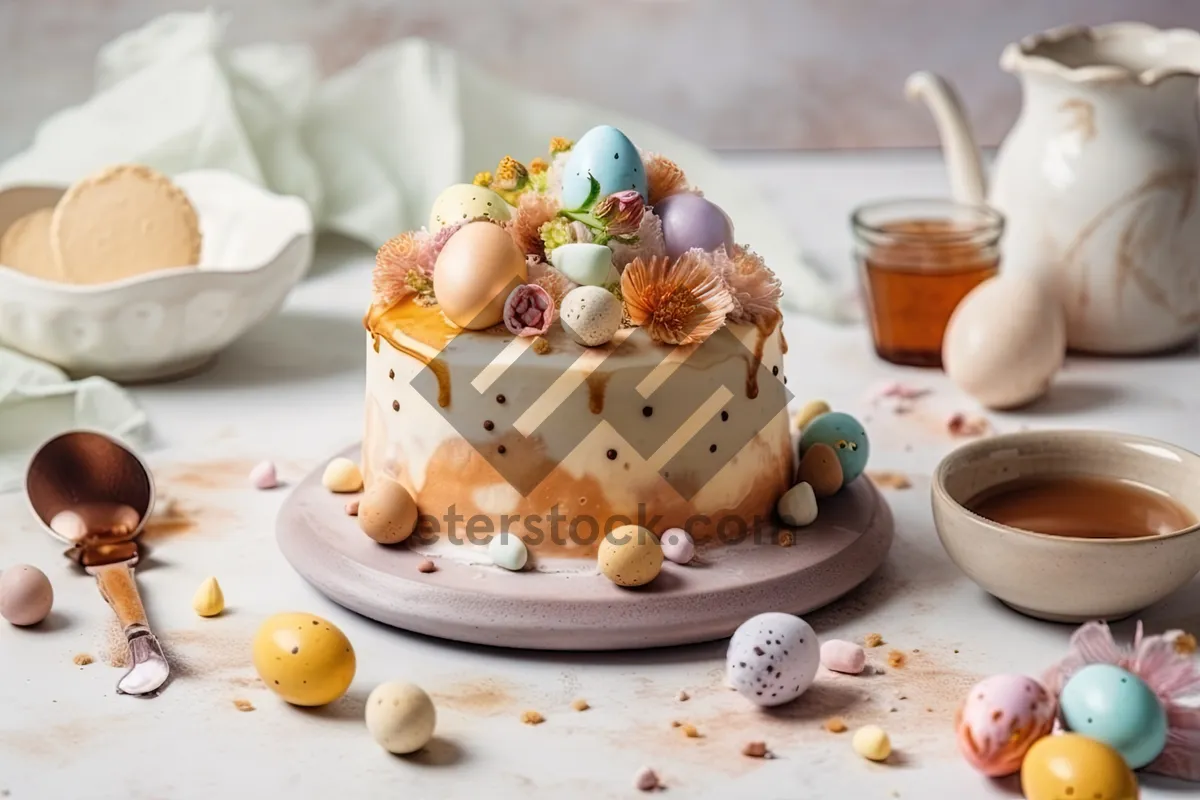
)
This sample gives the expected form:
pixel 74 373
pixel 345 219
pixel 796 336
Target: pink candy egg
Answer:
pixel 1000 720
pixel 839 655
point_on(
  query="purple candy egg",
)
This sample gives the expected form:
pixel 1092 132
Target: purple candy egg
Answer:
pixel 691 221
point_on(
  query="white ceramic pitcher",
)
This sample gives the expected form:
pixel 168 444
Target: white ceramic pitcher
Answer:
pixel 1097 180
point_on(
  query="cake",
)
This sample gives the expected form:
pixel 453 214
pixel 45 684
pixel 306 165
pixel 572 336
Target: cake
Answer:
pixel 574 345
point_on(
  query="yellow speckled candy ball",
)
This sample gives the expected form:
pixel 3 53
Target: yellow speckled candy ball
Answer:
pixel 304 659
pixel 630 556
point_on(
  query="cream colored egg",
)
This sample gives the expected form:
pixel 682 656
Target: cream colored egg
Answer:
pixel 475 273
pixel 1006 341
pixel 400 717
pixel 464 201
pixel 387 512
pixel 630 556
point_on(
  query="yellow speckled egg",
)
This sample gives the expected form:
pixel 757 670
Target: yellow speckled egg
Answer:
pixel 821 470
pixel 475 273
pixel 464 201
pixel 630 556
pixel 305 659
pixel 1074 767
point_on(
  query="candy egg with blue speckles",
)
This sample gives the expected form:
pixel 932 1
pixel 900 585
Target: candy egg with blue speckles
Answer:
pixel 608 156
pixel 772 658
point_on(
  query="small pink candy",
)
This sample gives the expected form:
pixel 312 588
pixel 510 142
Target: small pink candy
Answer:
pixel 263 475
pixel 352 508
pixel 646 780
pixel 839 655
pixel 677 545
pixel 529 310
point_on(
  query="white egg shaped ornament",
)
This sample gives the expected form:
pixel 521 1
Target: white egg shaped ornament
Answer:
pixel 772 658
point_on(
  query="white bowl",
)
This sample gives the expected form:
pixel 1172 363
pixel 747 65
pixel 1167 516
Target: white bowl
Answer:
pixel 256 247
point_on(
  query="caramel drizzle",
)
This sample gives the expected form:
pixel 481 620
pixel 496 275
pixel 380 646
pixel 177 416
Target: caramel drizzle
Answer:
pixel 372 322
pixel 597 383
pixel 765 328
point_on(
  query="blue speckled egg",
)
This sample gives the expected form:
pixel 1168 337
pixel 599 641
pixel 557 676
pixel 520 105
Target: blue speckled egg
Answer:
pixel 845 435
pixel 1116 707
pixel 608 156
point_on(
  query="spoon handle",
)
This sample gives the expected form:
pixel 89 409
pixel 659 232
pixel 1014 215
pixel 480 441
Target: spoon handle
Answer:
pixel 118 588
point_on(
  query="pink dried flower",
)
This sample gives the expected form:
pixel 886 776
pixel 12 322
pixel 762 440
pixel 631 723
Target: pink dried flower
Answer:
pixel 533 211
pixel 404 265
pixel 647 244
pixel 1173 676
pixel 529 310
pixel 620 213
pixel 549 278
pixel 754 288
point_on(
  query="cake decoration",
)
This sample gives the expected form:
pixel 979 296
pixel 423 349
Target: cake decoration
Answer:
pixel 585 263
pixel 303 658
pixel 602 156
pixel 754 289
pixel 872 743
pixel 808 412
pixel 26 595
pixel 529 310
pixel 773 658
pixel 591 315
pixel 400 717
pixel 1000 720
pixel 263 475
pixel 508 552
pixel 209 600
pixel 663 177
pixel 690 221
pixel 839 655
pixel 798 506
pixel 677 546
pixel 845 435
pixel 466 201
pixel 677 302
pixel 387 512
pixel 1074 766
pixel 342 476
pixel 474 274
pixel 630 556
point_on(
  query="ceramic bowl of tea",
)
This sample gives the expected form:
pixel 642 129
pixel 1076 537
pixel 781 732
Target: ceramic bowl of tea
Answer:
pixel 1071 526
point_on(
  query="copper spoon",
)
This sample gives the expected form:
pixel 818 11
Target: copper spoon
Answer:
pixel 90 491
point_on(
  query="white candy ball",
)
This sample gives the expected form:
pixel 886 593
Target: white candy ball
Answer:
pixel 591 315
pixel 773 658
pixel 677 545
pixel 508 551
pixel 798 506
pixel 400 717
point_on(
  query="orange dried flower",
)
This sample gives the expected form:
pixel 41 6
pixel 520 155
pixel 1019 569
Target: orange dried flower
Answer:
pixel 678 303
pixel 403 266
pixel 663 177
pixel 482 178
pixel 558 144
pixel 538 165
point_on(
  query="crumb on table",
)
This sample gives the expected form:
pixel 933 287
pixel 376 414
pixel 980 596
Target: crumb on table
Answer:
pixel 683 695
pixel 243 705
pixel 835 725
pixel 886 479
pixel 786 539
pixel 427 567
pixel 689 730
pixel 532 718
pixel 580 704
pixel 541 346
pixel 896 659
pixel 755 750
pixel 872 640
pixel 83 659
pixel 646 780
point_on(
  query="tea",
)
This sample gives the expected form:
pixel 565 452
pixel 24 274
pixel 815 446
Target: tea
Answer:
pixel 1083 506
pixel 915 275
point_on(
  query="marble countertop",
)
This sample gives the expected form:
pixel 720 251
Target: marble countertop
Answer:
pixel 291 391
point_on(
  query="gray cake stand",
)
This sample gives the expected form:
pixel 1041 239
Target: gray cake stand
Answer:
pixel 582 610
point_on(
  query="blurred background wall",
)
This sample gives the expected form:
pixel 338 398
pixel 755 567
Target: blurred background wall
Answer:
pixel 732 74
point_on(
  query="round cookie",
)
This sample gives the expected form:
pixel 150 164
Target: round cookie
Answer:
pixel 124 221
pixel 25 246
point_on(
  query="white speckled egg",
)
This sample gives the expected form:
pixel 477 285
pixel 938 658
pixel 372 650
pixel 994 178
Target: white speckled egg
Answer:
pixel 772 658
pixel 464 201
pixel 1006 341
pixel 475 273
pixel 400 717
pixel 591 315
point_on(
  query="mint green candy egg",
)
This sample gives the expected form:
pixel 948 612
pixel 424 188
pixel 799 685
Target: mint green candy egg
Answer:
pixel 1116 707
pixel 845 435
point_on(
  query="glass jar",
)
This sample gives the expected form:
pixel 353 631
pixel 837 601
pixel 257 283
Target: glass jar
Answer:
pixel 917 259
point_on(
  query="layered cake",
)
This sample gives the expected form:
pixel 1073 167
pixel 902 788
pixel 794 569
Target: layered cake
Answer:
pixel 570 346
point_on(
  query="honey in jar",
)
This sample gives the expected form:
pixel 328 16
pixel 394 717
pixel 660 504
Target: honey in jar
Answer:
pixel 917 260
